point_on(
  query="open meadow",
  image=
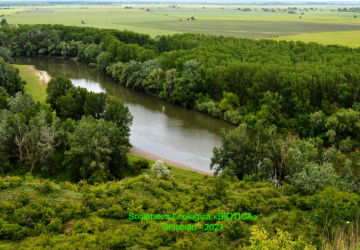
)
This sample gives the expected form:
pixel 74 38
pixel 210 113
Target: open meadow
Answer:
pixel 261 22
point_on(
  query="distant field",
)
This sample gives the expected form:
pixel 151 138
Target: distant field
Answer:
pixel 209 19
pixel 245 29
pixel 347 38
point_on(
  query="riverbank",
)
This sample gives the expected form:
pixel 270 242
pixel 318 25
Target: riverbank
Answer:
pixel 36 81
pixel 139 152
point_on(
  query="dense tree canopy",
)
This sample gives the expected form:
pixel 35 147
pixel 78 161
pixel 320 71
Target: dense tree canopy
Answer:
pixel 292 85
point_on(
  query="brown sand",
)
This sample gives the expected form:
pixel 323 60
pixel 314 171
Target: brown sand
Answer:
pixel 150 156
pixel 44 77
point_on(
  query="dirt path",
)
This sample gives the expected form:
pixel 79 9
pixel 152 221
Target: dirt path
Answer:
pixel 44 77
pixel 150 156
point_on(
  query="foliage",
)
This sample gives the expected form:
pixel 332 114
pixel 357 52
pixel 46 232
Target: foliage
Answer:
pixel 159 169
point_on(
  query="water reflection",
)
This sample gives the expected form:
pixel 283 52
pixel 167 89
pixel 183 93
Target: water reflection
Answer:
pixel 164 129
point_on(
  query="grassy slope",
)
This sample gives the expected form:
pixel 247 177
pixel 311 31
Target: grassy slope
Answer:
pixel 346 38
pixel 182 176
pixel 33 85
pixel 186 180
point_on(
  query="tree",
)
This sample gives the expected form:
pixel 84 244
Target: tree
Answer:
pixel 17 129
pixel 3 98
pixel 271 106
pixel 20 102
pixel 97 147
pixel 115 111
pixel 10 79
pixel 187 86
pixel 57 87
pixel 229 101
pixel 314 177
pixel 6 54
pixel 71 105
pixel 316 121
pixel 154 81
pixel 95 104
pixel 104 59
pixel 40 141
pixel 243 152
pixel 169 85
pixel 3 22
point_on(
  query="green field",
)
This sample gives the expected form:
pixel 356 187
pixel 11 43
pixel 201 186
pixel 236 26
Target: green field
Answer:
pixel 347 38
pixel 33 85
pixel 209 19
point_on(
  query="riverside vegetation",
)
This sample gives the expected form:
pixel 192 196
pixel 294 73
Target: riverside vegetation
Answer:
pixel 296 105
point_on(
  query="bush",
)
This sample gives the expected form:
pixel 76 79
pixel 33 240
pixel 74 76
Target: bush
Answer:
pixel 302 203
pixel 11 181
pixel 55 226
pixel 166 185
pixel 45 187
pixel 68 186
pixel 116 211
pixel 279 203
pixel 159 169
pixel 8 231
pixel 287 189
pixel 143 163
pixel 24 199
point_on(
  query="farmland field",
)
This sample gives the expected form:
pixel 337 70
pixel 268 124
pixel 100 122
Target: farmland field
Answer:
pixel 224 20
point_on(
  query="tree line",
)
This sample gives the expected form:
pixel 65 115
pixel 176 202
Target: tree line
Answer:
pixel 238 80
pixel 307 90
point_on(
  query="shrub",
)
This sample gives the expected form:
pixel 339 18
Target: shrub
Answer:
pixel 7 231
pixel 68 186
pixel 45 187
pixel 55 226
pixel 83 226
pixel 159 169
pixel 287 189
pixel 141 164
pixel 165 185
pixel 24 199
pixel 116 211
pixel 279 203
pixel 302 203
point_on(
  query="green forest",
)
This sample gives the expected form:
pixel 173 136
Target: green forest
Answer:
pixel 67 181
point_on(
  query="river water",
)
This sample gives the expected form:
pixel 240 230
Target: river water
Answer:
pixel 182 135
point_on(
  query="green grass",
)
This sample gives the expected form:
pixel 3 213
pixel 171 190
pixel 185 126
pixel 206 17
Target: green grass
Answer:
pixel 33 85
pixel 346 38
pixel 163 20
pixel 245 29
pixel 179 174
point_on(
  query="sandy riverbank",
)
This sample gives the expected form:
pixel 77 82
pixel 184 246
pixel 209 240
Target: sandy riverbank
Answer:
pixel 44 77
pixel 150 156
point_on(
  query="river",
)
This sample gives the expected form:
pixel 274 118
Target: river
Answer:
pixel 181 135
